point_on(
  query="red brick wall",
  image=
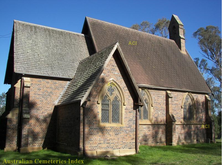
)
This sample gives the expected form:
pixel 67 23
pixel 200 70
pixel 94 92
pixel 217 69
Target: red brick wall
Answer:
pixel 185 134
pixel 188 133
pixel 11 135
pixel 43 95
pixel 12 117
pixel 154 133
pixel 177 101
pixel 68 128
pixel 108 138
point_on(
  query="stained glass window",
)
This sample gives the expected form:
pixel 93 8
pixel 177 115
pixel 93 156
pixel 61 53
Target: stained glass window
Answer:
pixel 105 109
pixel 111 105
pixel 111 89
pixel 115 110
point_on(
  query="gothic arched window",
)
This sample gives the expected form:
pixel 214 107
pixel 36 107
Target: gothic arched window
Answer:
pixel 111 104
pixel 145 111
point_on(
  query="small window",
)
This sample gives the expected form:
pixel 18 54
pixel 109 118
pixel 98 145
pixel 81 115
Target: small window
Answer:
pixel 188 108
pixel 111 105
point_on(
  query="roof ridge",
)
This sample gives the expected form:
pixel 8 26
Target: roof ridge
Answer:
pixel 137 31
pixel 47 27
pixel 87 68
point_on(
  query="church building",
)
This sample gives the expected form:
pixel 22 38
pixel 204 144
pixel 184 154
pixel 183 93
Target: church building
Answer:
pixel 104 91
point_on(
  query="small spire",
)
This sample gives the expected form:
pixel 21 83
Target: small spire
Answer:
pixel 176 31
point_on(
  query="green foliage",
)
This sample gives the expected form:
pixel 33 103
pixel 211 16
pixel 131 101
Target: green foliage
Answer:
pixel 197 154
pixel 202 65
pixel 2 110
pixel 145 26
pixel 209 41
pixel 219 124
pixel 216 125
pixel 2 103
pixel 160 28
pixel 135 26
pixel 2 99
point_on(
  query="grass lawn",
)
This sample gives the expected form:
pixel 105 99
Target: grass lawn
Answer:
pixel 193 154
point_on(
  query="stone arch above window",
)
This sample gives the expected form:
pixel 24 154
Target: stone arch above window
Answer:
pixel 145 112
pixel 111 102
pixel 188 108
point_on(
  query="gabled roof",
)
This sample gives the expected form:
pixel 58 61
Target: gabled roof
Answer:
pixel 155 62
pixel 89 71
pixel 43 51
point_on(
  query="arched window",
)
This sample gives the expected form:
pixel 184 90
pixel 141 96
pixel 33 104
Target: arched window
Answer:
pixel 145 111
pixel 188 108
pixel 111 104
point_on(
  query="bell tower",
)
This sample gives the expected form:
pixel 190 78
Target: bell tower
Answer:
pixel 176 31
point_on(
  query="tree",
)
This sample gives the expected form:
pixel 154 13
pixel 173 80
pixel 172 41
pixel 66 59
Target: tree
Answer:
pixel 209 41
pixel 202 65
pixel 145 26
pixel 135 26
pixel 219 123
pixel 2 103
pixel 161 27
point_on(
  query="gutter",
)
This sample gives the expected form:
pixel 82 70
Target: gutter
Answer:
pixel 171 89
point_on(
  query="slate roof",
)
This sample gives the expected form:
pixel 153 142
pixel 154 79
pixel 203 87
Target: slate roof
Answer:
pixel 155 62
pixel 44 51
pixel 89 71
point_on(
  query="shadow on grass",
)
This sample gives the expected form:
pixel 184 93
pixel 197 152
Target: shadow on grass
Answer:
pixel 213 149
pixel 40 157
pixel 147 155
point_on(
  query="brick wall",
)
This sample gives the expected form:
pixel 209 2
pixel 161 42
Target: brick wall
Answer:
pixel 68 128
pixel 188 133
pixel 43 95
pixel 39 130
pixel 12 117
pixel 185 134
pixel 182 133
pixel 154 133
pixel 177 99
pixel 107 138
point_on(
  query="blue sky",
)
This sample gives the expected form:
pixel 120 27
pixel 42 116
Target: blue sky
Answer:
pixel 70 14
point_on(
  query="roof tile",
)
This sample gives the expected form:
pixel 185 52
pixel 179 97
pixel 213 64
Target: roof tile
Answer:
pixel 154 60
pixel 45 51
